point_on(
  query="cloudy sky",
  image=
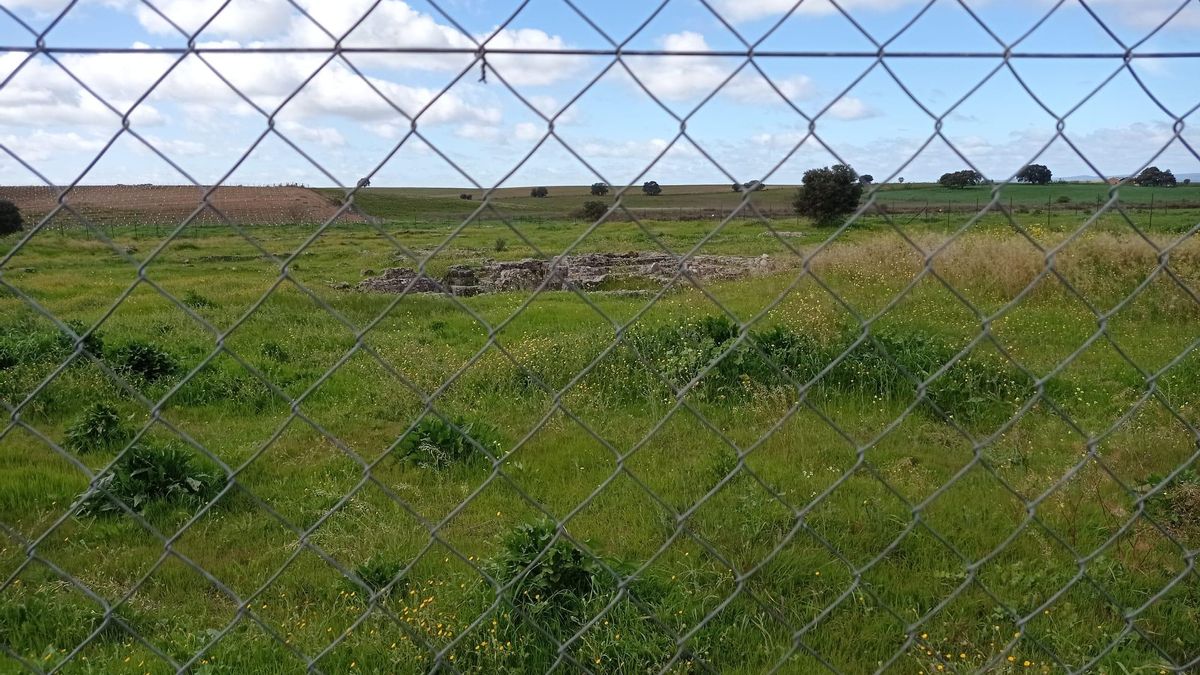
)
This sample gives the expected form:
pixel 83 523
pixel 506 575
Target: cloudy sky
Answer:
pixel 350 115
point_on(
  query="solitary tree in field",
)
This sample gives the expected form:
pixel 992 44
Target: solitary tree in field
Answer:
pixel 1152 176
pixel 652 188
pixel 599 189
pixel 1187 182
pixel 866 179
pixel 539 192
pixel 10 218
pixel 828 195
pixel 1037 174
pixel 900 180
pixel 364 182
pixel 960 179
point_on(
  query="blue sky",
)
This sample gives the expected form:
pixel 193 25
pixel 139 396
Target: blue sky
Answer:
pixel 477 132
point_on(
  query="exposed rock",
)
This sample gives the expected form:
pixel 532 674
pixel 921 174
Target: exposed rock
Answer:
pixel 586 271
pixel 399 280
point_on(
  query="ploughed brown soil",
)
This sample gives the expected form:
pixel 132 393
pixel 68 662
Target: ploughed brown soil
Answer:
pixel 588 271
pixel 171 204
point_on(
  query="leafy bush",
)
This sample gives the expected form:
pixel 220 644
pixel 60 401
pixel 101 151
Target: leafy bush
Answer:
pixel 93 343
pixel 196 301
pixel 960 179
pixel 275 352
pixel 974 389
pixel 144 360
pixel 599 189
pixel 539 192
pixel 377 573
pixel 11 221
pixel 99 428
pixel 1063 199
pixel 435 444
pixel 500 245
pixel 559 583
pixel 593 210
pixel 152 474
pixel 652 188
pixel 828 194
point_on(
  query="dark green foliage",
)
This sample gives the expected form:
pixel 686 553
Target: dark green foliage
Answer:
pixel 975 389
pixel 144 360
pixel 593 210
pixel 435 444
pixel 828 194
pixel 275 352
pixel 1063 199
pixel 378 574
pixel 866 179
pixel 539 192
pixel 1177 505
pixel 960 179
pixel 559 583
pixel 98 429
pixel 500 245
pixel 1037 174
pixel 196 301
pixel 93 343
pixel 652 188
pixel 10 218
pixel 151 474
pixel 751 186
pixel 1152 176
pixel 599 189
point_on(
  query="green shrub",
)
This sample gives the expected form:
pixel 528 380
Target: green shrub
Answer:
pixel 593 210
pixel 98 429
pixel 11 221
pixel 93 343
pixel 378 574
pixel 500 245
pixel 153 474
pixel 144 360
pixel 559 584
pixel 275 352
pixel 434 443
pixel 975 388
pixel 196 301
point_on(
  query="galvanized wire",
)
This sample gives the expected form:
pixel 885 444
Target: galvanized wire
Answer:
pixel 618 52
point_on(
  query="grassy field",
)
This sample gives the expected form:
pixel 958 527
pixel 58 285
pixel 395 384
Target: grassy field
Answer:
pixel 686 200
pixel 797 505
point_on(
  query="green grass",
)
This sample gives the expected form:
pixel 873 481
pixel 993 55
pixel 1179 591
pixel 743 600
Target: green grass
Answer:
pixel 682 201
pixel 600 445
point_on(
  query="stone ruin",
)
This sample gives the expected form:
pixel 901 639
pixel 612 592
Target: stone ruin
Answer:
pixel 587 271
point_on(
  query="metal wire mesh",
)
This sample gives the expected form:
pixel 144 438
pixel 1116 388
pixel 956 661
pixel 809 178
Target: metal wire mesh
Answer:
pixel 683 655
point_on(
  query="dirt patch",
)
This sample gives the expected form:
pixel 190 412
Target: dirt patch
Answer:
pixel 171 204
pixel 588 271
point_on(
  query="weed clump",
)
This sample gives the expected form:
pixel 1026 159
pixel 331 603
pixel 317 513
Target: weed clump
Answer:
pixel 152 474
pixel 554 588
pixel 436 444
pixel 890 364
pixel 99 428
pixel 559 583
pixel 381 575
pixel 93 343
pixel 196 301
pixel 144 360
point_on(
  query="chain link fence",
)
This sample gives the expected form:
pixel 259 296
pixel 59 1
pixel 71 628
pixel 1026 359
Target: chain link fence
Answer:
pixel 808 589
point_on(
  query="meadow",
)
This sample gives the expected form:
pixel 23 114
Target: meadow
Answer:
pixel 820 468
pixel 683 201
